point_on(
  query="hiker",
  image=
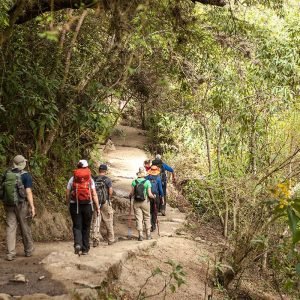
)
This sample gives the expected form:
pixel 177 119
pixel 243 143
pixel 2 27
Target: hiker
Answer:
pixel 157 191
pixel 163 168
pixel 16 190
pixel 79 195
pixel 147 165
pixel 141 191
pixel 104 192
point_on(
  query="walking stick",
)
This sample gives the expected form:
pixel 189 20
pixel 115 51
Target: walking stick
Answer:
pixel 129 220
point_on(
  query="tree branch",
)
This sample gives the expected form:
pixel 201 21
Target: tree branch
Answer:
pixel 211 2
pixel 38 7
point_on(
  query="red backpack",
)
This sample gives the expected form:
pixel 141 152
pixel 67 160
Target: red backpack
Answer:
pixel 81 188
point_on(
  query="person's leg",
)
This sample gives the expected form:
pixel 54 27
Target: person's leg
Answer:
pixel 24 219
pixel 153 212
pixel 145 207
pixel 157 202
pixel 139 218
pixel 77 224
pixel 11 231
pixel 108 219
pixel 95 232
pixel 87 214
pixel 163 206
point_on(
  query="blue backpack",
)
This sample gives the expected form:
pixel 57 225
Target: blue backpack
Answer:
pixel 154 185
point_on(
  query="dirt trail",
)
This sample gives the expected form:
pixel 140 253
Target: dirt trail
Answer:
pixel 131 269
pixel 66 273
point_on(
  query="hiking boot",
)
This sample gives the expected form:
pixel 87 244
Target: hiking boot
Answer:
pixel 10 257
pixel 95 243
pixel 153 228
pixel 140 238
pixel 77 249
pixel 28 253
pixel 113 242
pixel 84 253
pixel 163 212
pixel 149 237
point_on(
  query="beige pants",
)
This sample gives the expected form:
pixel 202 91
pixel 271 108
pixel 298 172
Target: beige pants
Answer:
pixel 107 216
pixel 18 215
pixel 142 215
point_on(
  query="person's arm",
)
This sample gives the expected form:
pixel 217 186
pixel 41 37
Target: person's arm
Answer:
pixel 131 192
pixel 150 193
pixel 108 183
pixel 171 170
pixel 95 200
pixel 27 182
pixel 30 201
pixel 110 192
pixel 95 196
pixel 68 192
pixel 173 177
pixel 160 189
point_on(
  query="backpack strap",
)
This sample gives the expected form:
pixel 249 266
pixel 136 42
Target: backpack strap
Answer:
pixel 4 175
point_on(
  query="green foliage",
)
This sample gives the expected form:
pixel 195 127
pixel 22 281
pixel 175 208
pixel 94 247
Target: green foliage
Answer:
pixel 173 279
pixel 217 88
pixel 4 7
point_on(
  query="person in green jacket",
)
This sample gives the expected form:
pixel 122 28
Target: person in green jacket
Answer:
pixel 141 192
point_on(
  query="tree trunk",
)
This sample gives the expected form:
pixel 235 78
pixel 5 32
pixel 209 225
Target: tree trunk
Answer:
pixel 206 133
pixel 225 231
pixel 219 149
pixel 252 150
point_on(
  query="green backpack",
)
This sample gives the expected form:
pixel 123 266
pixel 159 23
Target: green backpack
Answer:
pixel 12 190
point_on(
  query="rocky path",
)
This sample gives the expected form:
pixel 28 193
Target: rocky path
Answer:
pixel 55 270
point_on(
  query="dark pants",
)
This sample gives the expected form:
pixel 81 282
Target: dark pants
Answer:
pixel 162 207
pixel 154 205
pixel 81 224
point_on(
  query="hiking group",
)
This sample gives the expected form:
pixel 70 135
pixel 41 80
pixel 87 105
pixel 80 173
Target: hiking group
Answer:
pixel 89 200
pixel 150 186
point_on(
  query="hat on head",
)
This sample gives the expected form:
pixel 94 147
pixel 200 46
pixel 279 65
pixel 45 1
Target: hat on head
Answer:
pixel 19 162
pixel 141 172
pixel 84 163
pixel 158 156
pixel 103 167
pixel 154 170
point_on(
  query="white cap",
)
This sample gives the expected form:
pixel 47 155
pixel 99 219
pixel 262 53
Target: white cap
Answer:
pixel 158 156
pixel 84 163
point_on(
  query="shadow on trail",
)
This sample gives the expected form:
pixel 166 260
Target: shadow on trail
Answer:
pixel 33 270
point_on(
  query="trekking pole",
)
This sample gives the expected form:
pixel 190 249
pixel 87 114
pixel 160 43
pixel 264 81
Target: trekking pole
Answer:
pixel 129 220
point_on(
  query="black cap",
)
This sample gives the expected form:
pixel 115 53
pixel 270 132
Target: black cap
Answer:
pixel 103 167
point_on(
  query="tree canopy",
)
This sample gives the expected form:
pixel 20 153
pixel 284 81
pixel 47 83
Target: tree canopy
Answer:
pixel 215 83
